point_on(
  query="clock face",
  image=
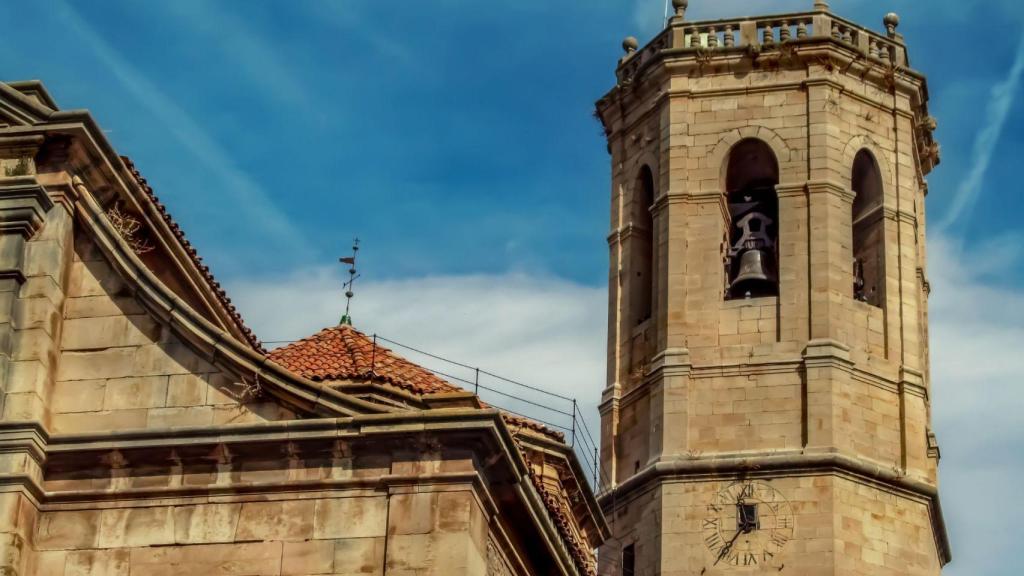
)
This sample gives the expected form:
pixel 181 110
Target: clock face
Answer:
pixel 747 525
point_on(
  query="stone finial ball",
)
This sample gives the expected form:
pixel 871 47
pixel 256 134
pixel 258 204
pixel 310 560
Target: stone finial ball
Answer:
pixel 680 4
pixel 630 44
pixel 891 19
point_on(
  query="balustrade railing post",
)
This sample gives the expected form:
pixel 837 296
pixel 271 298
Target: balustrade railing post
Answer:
pixel 748 33
pixel 573 442
pixel 373 356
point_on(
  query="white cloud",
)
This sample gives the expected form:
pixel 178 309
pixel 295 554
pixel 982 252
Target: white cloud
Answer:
pixel 551 333
pixel 977 328
pixel 544 332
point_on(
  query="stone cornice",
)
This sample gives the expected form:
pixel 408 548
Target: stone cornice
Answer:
pixel 787 464
pixel 15 104
pixel 246 439
pixel 615 106
pixel 23 205
pixel 829 187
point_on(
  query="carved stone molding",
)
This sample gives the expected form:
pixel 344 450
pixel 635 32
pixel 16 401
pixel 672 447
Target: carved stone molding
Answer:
pixel 496 564
pixel 23 206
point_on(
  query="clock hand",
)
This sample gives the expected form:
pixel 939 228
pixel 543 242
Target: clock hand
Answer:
pixel 728 547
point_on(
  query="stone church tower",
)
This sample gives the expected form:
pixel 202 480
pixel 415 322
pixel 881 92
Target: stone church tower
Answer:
pixel 768 399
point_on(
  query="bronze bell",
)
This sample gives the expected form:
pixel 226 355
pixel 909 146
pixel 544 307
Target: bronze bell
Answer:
pixel 756 275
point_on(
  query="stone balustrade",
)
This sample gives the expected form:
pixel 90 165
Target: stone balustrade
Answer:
pixel 763 35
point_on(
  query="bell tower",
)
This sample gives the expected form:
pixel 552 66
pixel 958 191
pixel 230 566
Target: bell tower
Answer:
pixel 768 399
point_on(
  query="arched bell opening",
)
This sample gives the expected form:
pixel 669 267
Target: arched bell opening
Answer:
pixel 752 256
pixel 642 249
pixel 868 231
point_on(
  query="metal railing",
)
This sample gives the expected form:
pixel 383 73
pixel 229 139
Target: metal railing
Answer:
pixel 556 411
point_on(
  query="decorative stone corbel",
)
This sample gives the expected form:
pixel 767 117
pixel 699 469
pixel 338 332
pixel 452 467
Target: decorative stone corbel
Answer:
pixel 933 446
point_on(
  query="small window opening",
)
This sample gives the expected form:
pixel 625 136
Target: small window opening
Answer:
pixel 629 561
pixel 752 255
pixel 747 519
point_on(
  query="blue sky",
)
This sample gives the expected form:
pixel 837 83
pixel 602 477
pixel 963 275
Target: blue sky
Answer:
pixel 456 138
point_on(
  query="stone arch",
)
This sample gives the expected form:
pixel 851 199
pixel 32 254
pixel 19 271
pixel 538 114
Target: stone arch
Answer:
pixel 720 154
pixel 750 180
pixel 644 186
pixel 867 223
pixel 866 142
pixel 648 158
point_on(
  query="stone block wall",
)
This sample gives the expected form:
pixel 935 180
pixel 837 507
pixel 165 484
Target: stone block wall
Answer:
pixel 121 369
pixel 258 507
pixel 349 534
pixel 842 526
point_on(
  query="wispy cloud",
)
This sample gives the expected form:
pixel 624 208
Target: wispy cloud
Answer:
pixel 261 62
pixel 997 114
pixel 346 18
pixel 247 195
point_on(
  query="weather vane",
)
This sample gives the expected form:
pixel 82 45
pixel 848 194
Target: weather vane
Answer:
pixel 352 275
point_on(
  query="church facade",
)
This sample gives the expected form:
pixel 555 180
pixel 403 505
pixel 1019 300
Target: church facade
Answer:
pixel 145 430
pixel 768 399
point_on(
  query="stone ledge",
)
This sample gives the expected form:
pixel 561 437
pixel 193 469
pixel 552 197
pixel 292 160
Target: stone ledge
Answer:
pixel 793 464
pixel 23 205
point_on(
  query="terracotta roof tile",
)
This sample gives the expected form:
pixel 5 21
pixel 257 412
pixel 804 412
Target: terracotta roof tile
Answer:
pixel 197 261
pixel 342 352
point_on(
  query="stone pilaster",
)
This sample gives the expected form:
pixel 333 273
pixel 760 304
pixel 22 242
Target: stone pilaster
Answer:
pixel 24 205
pixel 669 414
